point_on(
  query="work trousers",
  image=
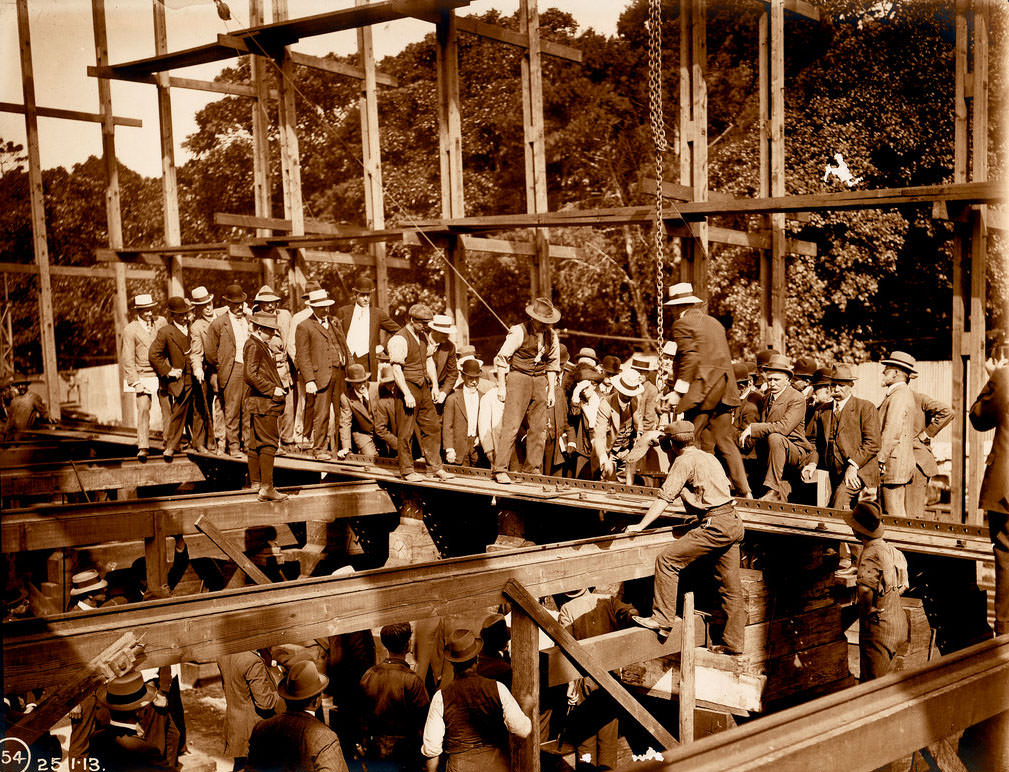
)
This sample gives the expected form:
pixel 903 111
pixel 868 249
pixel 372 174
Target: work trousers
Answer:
pixel 144 418
pixel 424 417
pixel 874 659
pixel 364 444
pixel 778 453
pixel 261 443
pixel 317 408
pixel 182 407
pixel 916 494
pixel 524 395
pixel 718 536
pixel 714 430
pixel 998 531
pixel 232 394
pixel 894 497
pixel 203 422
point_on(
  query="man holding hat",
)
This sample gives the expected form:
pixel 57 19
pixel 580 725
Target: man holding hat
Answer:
pixel 122 745
pixel 704 389
pixel 363 324
pixel 208 422
pixel 413 368
pixel 265 393
pixel 470 718
pixel 845 442
pixel 140 377
pixel 699 481
pixel 170 357
pixel 302 428
pixel 357 419
pixel 460 433
pixel 322 357
pixel 881 578
pixel 780 434
pixel 896 445
pixel 225 347
pixel 296 739
pixel 528 365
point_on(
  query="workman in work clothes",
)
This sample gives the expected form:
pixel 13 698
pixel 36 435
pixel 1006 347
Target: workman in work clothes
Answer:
pixel 528 366
pixel 699 481
pixel 265 393
pixel 26 408
pixel 140 377
pixel 881 577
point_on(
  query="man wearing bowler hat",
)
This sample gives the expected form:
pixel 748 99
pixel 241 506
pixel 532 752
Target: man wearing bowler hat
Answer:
pixel 357 413
pixel 460 420
pixel 208 421
pixel 170 357
pixel 265 392
pixel 528 366
pixel 225 346
pixel 296 741
pixel 896 444
pixel 845 442
pixel 704 386
pixel 140 377
pixel 364 323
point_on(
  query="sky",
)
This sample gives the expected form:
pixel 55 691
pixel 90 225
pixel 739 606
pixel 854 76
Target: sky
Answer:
pixel 63 46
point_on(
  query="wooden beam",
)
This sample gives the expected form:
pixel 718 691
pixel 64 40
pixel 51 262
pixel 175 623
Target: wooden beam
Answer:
pixel 280 224
pixel 212 532
pixel 169 183
pixel 262 178
pixel 800 8
pixel 693 117
pixel 352 258
pixel 110 474
pixel 328 64
pixel 525 661
pixel 70 115
pixel 192 84
pixel 525 248
pixel 687 674
pixel 504 35
pixel 78 271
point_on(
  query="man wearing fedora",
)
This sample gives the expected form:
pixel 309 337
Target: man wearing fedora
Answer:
pixel 471 717
pixel 704 385
pixel 265 393
pixel 140 377
pixel 802 376
pixel 208 422
pixel 528 366
pixel 296 741
pixel 460 420
pixel 357 417
pixel 170 357
pixel 322 357
pixel 881 578
pixel 268 302
pixel 779 437
pixel 224 349
pixel 845 442
pixel 302 428
pixel 364 324
pixel 896 444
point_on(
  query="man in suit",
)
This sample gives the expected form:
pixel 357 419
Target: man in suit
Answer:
pixel 268 302
pixel 930 417
pixel 140 377
pixel 249 696
pixel 386 427
pixel 322 357
pixel 170 357
pixel 444 356
pixel 357 417
pixel 265 393
pixel 896 445
pixel 460 426
pixel 780 435
pixel 122 744
pixel 208 418
pixel 302 423
pixel 225 344
pixel 363 324
pixel 845 442
pixel 704 386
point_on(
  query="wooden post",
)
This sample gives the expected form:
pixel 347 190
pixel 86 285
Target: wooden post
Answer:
pixel 261 187
pixel 694 136
pixel 525 651
pixel 374 201
pixel 450 155
pixel 169 184
pixel 41 245
pixel 535 142
pixel 156 556
pixel 772 170
pixel 687 701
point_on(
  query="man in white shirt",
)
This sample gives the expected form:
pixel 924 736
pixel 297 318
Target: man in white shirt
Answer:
pixel 302 428
pixel 363 324
pixel 460 420
pixel 139 376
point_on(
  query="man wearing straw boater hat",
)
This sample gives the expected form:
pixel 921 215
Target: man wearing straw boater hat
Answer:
pixel 122 745
pixel 138 374
pixel 268 302
pixel 446 367
pixel 265 393
pixel 225 344
pixel 528 366
pixel 363 323
pixel 208 422
pixel 704 386
pixel 896 444
pixel 170 357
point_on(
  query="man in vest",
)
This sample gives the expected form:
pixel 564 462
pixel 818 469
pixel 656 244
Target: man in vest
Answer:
pixel 413 368
pixel 528 365
pixel 137 371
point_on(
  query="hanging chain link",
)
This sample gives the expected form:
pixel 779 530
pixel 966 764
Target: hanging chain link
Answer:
pixel 659 139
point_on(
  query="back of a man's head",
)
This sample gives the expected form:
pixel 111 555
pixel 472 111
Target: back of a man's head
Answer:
pixel 396 638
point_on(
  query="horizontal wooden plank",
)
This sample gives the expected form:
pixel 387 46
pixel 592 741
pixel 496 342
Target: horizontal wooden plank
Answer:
pixel 279 224
pixel 45 479
pixel 79 271
pixel 511 37
pixel 71 115
pixel 511 247
pixel 759 240
pixel 339 68
pixel 349 258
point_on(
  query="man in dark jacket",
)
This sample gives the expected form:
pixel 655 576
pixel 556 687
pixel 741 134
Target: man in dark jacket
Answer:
pixel 460 437
pixel 250 696
pixel 363 323
pixel 121 745
pixel 357 414
pixel 224 346
pixel 704 385
pixel 169 356
pixel 322 357
pixel 264 403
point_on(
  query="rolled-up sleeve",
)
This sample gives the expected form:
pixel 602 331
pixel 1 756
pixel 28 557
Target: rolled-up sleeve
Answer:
pixel 397 349
pixel 675 480
pixel 515 720
pixel 434 728
pixel 511 343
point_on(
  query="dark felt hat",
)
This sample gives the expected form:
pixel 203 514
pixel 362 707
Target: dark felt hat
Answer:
pixel 611 364
pixel 264 319
pixel 843 373
pixel 866 518
pixel 234 293
pixel 778 363
pixel 542 310
pixel 421 312
pixel 821 377
pixel 471 367
pixel 462 646
pixel 303 682
pixel 178 305
pixel 356 373
pixel 805 367
pixel 763 357
pixel 363 284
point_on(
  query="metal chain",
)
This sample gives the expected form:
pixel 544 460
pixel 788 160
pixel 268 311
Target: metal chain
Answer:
pixel 659 140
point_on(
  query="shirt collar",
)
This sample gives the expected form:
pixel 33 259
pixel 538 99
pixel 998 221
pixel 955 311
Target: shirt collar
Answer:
pixel 181 328
pixel 839 406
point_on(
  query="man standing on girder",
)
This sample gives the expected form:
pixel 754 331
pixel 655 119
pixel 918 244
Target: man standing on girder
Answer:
pixel 169 356
pixel 225 343
pixel 896 419
pixel 140 377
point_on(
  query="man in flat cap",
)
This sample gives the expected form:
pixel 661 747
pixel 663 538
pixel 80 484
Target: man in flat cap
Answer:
pixel 140 377
pixel 225 344
pixel 896 418
pixel 170 357
pixel 265 393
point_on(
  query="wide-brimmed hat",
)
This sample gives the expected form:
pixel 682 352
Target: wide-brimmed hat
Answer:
pixel 87 581
pixel 310 287
pixel 471 367
pixel 629 383
pixel 363 284
pixel 462 645
pixel 587 353
pixel 641 363
pixel 866 518
pixel 669 348
pixel 234 293
pixel 682 294
pixel 266 295
pixel 441 323
pixel 578 591
pixel 741 371
pixel 20 378
pixel 679 430
pixel 143 301
pixel 821 377
pixel 385 374
pixel 563 354
pixel 805 367
pixel 843 373
pixel 464 352
pixel 303 682
pixel 201 295
pixel 778 363
pixel 901 360
pixel 611 364
pixel 127 692
pixel 319 298
pixel 542 310
pixel 356 373
pixel 178 305
pixel 264 319
pixel 421 312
